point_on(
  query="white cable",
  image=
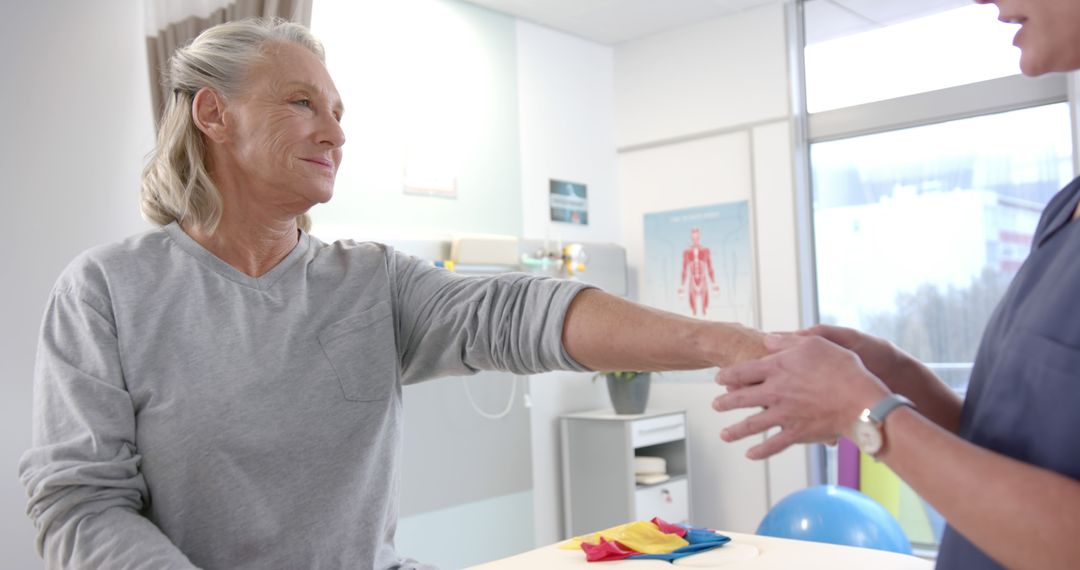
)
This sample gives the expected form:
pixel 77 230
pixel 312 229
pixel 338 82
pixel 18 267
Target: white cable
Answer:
pixel 509 403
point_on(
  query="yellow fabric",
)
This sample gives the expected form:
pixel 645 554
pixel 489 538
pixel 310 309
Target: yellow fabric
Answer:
pixel 642 536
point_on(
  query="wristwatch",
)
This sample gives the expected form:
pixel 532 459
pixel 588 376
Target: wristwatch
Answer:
pixel 869 427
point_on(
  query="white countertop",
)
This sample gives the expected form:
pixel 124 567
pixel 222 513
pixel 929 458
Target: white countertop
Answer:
pixel 745 551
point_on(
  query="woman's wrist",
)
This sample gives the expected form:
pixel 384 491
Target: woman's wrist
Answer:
pixel 724 344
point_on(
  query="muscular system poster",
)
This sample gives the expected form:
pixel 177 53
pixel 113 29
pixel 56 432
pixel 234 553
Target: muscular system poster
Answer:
pixel 698 263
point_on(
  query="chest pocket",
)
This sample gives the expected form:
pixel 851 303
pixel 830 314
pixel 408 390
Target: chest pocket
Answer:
pixel 1029 409
pixel 363 354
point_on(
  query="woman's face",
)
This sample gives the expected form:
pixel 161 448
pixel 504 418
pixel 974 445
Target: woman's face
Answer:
pixel 284 134
pixel 1048 35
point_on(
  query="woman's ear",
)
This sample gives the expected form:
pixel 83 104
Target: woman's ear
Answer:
pixel 208 112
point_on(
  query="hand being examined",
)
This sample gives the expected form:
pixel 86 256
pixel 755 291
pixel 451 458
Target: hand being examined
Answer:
pixel 809 387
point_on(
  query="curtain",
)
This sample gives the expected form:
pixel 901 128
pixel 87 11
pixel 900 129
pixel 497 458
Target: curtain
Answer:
pixel 173 23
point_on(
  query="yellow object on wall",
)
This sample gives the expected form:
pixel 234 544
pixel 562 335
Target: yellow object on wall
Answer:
pixel 886 487
pixel 880 483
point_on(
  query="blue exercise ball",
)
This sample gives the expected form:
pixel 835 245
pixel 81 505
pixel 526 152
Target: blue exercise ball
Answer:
pixel 838 515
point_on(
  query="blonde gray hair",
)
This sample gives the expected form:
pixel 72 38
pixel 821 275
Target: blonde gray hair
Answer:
pixel 176 185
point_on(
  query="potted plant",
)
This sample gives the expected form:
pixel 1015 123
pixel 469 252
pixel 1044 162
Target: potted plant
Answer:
pixel 629 391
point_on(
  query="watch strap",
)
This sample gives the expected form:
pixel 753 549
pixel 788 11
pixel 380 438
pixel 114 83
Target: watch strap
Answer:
pixel 886 405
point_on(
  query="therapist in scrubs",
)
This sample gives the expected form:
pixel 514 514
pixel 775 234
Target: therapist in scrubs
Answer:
pixel 1003 465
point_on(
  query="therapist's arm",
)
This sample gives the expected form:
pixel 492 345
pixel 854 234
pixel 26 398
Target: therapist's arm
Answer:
pixel 605 332
pixel 1021 515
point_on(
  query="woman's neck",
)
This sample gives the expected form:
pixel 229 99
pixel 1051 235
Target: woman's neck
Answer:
pixel 251 248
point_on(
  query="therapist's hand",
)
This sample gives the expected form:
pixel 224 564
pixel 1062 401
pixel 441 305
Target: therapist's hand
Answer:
pixel 881 357
pixel 809 387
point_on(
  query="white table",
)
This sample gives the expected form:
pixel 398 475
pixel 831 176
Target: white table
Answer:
pixel 745 551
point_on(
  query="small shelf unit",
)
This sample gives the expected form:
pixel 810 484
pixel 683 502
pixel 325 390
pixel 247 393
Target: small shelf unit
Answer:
pixel 598 450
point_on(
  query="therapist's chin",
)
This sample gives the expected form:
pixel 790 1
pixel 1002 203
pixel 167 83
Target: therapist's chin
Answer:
pixel 1033 63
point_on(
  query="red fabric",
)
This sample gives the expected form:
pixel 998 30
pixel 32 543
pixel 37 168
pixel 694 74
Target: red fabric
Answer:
pixel 669 528
pixel 606 551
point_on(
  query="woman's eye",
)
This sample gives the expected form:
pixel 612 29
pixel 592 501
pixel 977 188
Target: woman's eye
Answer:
pixel 303 103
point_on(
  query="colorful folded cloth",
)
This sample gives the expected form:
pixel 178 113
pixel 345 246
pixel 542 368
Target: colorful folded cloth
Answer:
pixel 646 540
pixel 640 537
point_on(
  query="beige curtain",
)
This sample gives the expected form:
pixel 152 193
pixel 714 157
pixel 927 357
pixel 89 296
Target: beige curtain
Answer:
pixel 173 23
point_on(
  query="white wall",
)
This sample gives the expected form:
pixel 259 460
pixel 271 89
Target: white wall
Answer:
pixel 566 115
pixel 724 72
pixel 77 122
pixel 429 86
pixel 702 117
pixel 566 99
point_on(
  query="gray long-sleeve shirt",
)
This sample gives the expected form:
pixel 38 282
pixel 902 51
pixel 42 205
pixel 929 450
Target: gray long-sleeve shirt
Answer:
pixel 188 415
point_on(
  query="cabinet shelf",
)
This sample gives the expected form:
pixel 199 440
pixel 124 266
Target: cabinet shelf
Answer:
pixel 598 450
pixel 673 479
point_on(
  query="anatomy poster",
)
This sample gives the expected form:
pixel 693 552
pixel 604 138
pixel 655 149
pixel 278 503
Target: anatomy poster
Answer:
pixel 698 262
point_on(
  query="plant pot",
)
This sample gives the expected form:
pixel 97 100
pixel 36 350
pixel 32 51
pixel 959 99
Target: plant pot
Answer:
pixel 629 396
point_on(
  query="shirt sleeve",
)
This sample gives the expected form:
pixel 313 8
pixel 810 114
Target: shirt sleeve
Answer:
pixel 82 471
pixel 452 325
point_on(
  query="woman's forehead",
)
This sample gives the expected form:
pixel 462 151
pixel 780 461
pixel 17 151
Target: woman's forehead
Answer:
pixel 289 67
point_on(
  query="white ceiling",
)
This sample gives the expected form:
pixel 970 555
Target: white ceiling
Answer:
pixel 615 21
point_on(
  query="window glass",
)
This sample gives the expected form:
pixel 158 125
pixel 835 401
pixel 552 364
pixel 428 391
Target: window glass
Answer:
pixel 870 62
pixel 919 231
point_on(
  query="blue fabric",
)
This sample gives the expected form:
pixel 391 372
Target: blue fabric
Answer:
pixel 1024 395
pixel 700 540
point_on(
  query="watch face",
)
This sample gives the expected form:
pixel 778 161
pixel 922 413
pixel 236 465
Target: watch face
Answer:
pixel 867 437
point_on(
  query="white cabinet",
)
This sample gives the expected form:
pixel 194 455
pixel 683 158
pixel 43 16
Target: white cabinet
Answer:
pixel 669 500
pixel 598 450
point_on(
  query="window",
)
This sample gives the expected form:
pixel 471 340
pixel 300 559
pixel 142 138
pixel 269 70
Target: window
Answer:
pixel 929 161
pixel 944 49
pixel 917 232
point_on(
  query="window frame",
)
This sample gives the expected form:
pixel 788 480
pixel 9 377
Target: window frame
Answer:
pixel 965 101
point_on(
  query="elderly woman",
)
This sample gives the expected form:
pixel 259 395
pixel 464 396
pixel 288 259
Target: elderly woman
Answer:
pixel 1003 466
pixel 225 391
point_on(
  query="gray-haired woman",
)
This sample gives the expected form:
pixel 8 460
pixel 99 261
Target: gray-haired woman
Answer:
pixel 225 391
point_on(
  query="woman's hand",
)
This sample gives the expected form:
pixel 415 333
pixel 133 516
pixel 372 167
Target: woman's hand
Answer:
pixel 809 387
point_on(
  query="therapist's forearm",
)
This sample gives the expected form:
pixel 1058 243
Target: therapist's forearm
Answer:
pixel 605 332
pixel 1021 515
pixel 931 395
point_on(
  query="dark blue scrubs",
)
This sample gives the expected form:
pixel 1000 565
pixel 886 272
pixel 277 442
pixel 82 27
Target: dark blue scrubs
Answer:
pixel 1024 396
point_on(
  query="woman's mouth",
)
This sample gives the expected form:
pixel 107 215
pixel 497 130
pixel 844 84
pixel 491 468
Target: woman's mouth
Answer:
pixel 327 164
